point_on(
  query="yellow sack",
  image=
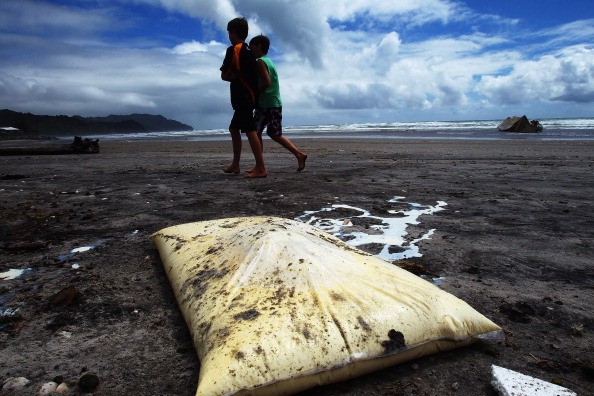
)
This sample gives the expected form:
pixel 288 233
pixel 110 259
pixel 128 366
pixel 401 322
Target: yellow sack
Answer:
pixel 276 306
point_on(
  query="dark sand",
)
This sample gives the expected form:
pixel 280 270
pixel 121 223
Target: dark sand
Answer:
pixel 516 242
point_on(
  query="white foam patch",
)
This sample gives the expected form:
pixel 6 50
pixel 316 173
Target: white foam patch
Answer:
pixel 511 383
pixel 13 273
pixel 389 233
pixel 82 249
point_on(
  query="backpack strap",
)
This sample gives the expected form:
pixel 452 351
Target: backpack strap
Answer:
pixel 236 67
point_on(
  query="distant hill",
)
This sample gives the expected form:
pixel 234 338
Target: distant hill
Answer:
pixel 62 125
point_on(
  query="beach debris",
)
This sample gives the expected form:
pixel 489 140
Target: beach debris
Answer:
pixel 300 307
pixel 520 124
pixel 507 383
pixel 86 146
pixel 15 384
pixel 50 147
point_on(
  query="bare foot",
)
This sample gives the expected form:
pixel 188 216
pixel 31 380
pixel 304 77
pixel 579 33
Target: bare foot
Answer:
pixel 256 174
pixel 250 170
pixel 231 169
pixel 301 162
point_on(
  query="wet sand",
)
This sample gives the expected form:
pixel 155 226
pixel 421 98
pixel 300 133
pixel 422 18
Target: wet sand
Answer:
pixel 515 241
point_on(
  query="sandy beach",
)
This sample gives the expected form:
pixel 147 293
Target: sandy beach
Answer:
pixel 515 241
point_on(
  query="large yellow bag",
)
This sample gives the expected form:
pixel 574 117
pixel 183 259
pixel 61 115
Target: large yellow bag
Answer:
pixel 276 306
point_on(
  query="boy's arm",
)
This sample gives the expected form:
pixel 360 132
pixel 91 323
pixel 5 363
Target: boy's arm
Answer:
pixel 227 75
pixel 227 67
pixel 264 76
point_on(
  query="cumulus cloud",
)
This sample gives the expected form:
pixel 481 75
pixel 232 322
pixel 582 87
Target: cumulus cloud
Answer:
pixel 195 46
pixel 567 76
pixel 217 11
pixel 337 59
pixel 35 16
pixel 417 12
pixel 304 26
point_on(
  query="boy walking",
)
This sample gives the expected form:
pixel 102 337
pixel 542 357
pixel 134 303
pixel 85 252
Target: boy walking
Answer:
pixel 269 112
pixel 240 69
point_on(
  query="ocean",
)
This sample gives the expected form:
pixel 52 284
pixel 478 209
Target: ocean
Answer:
pixel 554 129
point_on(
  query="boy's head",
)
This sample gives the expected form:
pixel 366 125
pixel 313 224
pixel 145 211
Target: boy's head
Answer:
pixel 239 28
pixel 262 41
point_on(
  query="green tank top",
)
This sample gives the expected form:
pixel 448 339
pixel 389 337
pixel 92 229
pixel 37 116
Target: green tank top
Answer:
pixel 271 96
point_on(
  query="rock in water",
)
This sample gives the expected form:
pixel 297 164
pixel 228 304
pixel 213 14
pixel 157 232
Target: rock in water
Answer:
pixel 519 124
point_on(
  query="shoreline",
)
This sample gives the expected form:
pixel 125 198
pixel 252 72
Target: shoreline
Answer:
pixel 363 136
pixel 514 241
pixel 416 131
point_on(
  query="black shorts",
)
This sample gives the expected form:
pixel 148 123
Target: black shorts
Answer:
pixel 271 119
pixel 243 120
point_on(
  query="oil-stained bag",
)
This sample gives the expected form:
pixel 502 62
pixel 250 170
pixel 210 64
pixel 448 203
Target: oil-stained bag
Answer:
pixel 276 306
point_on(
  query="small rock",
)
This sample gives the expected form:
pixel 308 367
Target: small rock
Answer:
pixel 414 366
pixel 15 383
pixel 577 330
pixel 48 388
pixel 62 388
pixel 455 386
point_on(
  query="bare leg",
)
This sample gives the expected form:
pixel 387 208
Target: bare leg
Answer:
pixel 261 144
pixel 300 155
pixel 259 170
pixel 236 140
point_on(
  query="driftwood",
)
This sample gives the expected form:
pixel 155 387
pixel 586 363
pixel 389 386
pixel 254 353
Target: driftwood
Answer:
pixel 49 147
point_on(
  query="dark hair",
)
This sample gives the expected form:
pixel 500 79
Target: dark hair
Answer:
pixel 262 41
pixel 239 26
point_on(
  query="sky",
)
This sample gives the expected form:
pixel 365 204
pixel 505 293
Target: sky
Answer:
pixel 339 61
